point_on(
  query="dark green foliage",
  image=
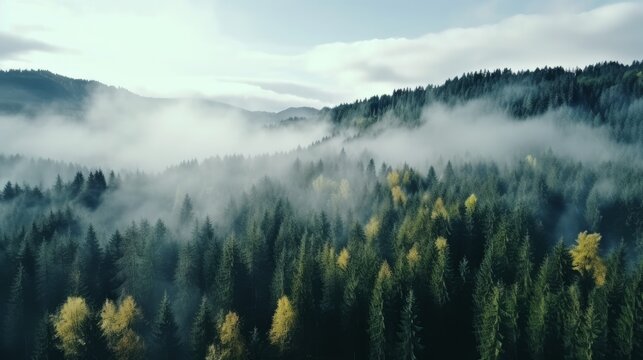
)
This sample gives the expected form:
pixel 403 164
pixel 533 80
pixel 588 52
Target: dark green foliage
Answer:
pixel 165 332
pixel 45 346
pixel 203 331
pixel 409 344
pixel 502 287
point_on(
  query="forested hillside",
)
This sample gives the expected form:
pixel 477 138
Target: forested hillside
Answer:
pixel 602 94
pixel 33 93
pixel 327 252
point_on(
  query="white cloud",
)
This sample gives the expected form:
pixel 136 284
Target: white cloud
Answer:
pixel 519 42
pixel 175 48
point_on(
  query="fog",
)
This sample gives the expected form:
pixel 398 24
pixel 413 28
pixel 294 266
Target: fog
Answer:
pixel 477 131
pixel 124 132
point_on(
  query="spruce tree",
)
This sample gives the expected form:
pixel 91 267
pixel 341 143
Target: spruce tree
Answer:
pixel 377 324
pixel 17 332
pixel 90 271
pixel 202 331
pixel 409 344
pixel 165 332
pixel 489 335
pixel 45 342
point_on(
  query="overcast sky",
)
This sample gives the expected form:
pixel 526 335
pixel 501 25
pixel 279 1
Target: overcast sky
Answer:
pixel 269 55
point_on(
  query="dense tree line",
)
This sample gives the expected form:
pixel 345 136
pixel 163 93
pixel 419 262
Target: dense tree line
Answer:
pixel 603 94
pixel 337 258
pixel 318 254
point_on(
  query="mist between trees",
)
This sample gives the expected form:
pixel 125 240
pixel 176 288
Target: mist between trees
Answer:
pixel 449 229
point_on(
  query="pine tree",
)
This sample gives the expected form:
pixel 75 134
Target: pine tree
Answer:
pixel 626 322
pixel 377 325
pixel 76 185
pixel 187 211
pixel 441 273
pixel 302 295
pixel 165 332
pixel 202 331
pixel 45 344
pixel 537 317
pixel 89 262
pixel 257 268
pixel 108 276
pixel 59 187
pixel 409 345
pixel 489 335
pixel 17 331
pixel 226 276
pixel 510 328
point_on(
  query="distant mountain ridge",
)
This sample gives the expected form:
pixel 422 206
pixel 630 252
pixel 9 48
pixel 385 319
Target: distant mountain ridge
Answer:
pixel 608 94
pixel 30 92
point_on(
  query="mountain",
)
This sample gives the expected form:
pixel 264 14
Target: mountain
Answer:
pixel 608 94
pixel 30 92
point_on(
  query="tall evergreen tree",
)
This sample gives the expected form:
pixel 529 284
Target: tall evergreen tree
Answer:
pixel 45 343
pixel 165 332
pixel 409 344
pixel 490 337
pixel 202 331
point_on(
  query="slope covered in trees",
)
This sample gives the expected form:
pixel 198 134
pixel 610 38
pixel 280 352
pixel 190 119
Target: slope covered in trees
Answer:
pixel 335 259
pixel 606 94
pixel 323 253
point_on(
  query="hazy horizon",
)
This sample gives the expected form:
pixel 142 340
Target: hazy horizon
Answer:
pixel 315 57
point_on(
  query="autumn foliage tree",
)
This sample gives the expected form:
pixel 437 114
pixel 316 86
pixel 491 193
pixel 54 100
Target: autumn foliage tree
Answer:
pixel 586 258
pixel 71 325
pixel 117 323
pixel 283 324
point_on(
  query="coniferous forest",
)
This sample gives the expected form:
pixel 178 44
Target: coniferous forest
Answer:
pixel 330 252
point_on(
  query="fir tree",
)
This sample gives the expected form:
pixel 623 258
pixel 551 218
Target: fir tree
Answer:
pixel 202 331
pixel 409 344
pixel 165 332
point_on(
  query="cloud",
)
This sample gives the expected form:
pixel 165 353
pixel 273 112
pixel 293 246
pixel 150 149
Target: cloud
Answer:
pixel 12 46
pixel 295 89
pixel 518 42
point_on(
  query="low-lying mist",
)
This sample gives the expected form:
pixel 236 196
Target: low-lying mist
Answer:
pixel 477 131
pixel 119 132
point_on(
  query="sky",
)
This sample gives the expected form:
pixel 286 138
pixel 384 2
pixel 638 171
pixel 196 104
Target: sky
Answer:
pixel 270 55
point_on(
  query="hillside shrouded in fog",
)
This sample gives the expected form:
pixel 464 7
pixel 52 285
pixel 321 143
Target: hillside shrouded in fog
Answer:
pixel 243 181
pixel 498 209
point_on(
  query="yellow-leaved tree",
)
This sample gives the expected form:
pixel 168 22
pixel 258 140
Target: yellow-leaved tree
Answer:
pixel 70 326
pixel 117 325
pixel 232 344
pixel 399 197
pixel 470 204
pixel 439 210
pixel 441 272
pixel 343 258
pixel 413 257
pixel 283 323
pixel 372 229
pixel 585 257
pixel 393 178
